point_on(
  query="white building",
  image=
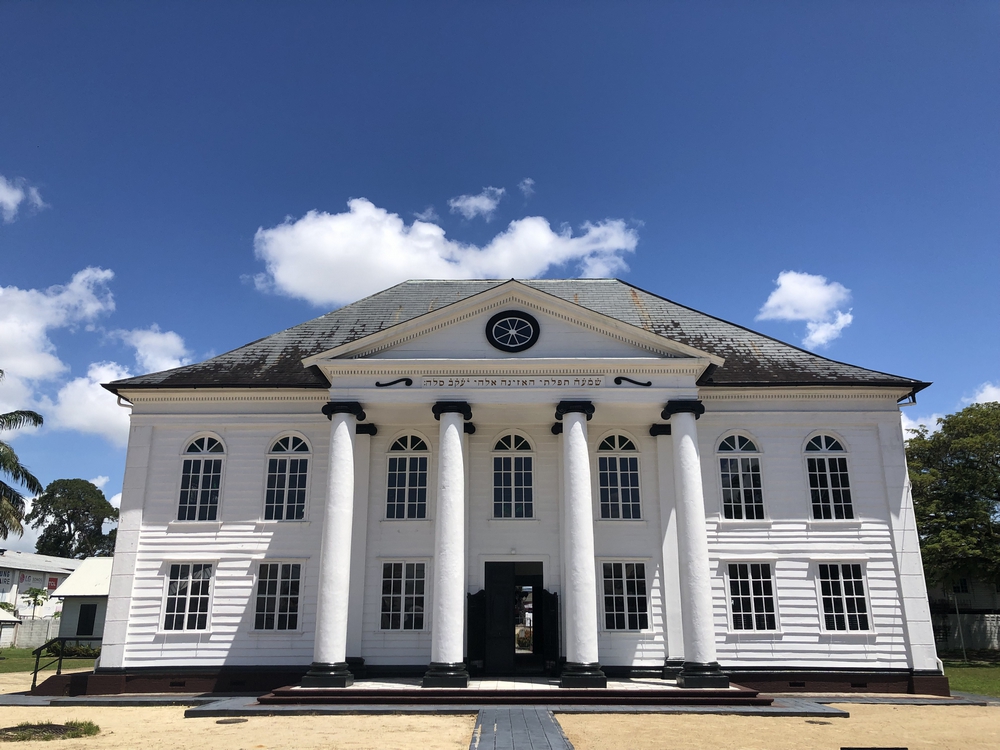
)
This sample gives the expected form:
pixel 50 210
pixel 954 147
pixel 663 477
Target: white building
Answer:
pixel 20 571
pixel 85 599
pixel 377 488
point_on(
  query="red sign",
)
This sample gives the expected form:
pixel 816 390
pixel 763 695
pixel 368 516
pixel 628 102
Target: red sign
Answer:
pixel 53 584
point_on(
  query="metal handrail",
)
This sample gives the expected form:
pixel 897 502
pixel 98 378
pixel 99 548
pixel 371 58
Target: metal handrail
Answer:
pixel 63 640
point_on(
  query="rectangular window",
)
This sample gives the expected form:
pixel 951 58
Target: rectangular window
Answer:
pixel 286 489
pixel 200 482
pixel 619 484
pixel 625 601
pixel 751 596
pixel 188 596
pixel 512 496
pixel 88 616
pixel 278 596
pixel 742 493
pixel 403 595
pixel 407 493
pixel 830 488
pixel 962 587
pixel 842 588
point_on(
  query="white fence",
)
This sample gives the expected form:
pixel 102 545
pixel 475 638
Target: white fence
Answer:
pixel 33 633
pixel 980 631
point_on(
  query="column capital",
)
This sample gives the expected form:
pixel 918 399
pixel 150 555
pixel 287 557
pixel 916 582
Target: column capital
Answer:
pixel 569 407
pixel 344 407
pixel 656 430
pixel 366 429
pixel 458 407
pixel 683 406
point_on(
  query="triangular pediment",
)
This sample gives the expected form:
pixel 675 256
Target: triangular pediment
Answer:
pixel 565 330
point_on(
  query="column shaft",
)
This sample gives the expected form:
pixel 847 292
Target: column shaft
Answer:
pixel 700 666
pixel 582 669
pixel 329 668
pixel 447 667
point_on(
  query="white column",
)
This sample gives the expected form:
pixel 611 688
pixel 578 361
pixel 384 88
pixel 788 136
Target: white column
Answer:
pixel 672 600
pixel 700 666
pixel 447 668
pixel 329 667
pixel 580 585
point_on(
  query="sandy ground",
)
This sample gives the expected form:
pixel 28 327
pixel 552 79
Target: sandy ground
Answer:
pixel 913 727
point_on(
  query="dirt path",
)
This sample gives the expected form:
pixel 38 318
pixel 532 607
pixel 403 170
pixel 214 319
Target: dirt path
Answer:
pixel 913 727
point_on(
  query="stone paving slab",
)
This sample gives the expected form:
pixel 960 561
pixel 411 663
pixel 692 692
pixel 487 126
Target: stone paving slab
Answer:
pixel 518 728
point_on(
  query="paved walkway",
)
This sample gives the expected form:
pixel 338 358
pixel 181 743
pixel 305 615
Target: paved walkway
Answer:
pixel 518 728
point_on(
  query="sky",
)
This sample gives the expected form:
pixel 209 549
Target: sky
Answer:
pixel 179 179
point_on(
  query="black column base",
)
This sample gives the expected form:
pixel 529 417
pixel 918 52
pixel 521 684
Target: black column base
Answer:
pixel 672 668
pixel 576 675
pixel 324 675
pixel 445 675
pixel 696 675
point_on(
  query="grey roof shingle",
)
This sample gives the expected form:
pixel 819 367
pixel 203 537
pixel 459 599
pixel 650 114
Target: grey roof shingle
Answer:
pixel 752 359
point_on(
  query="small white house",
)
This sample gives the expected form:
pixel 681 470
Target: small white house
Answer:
pixel 20 571
pixel 85 598
pixel 382 485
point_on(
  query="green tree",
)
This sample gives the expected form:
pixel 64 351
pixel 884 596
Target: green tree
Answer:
pixel 72 514
pixel 12 501
pixel 955 474
pixel 36 598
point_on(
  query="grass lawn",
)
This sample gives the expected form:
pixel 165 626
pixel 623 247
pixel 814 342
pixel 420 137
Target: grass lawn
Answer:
pixel 21 660
pixel 973 677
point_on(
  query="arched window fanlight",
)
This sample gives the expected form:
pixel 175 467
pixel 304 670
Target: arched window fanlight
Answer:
pixel 824 443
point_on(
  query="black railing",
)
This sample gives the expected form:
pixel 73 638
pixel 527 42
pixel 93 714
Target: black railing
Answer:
pixel 58 659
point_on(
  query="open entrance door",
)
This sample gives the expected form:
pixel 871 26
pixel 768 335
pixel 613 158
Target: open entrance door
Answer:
pixel 513 622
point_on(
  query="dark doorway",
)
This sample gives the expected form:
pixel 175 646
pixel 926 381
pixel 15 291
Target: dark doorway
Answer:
pixel 518 622
pixel 88 616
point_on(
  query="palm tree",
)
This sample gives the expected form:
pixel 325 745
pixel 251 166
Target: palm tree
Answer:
pixel 12 501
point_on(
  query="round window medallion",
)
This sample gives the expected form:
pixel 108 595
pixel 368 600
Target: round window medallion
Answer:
pixel 512 331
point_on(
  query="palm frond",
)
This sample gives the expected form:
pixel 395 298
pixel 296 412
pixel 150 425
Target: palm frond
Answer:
pixel 13 420
pixel 10 516
pixel 12 467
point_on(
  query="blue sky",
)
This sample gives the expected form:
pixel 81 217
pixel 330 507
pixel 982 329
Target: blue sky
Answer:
pixel 820 172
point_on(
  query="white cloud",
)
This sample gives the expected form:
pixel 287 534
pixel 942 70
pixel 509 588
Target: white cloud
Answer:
pixel 338 258
pixel 813 299
pixel 116 502
pixel 15 192
pixel 986 393
pixel 428 214
pixel 26 318
pixel 156 350
pixel 484 204
pixel 911 425
pixel 100 481
pixel 25 543
pixel 84 406
pixel 527 187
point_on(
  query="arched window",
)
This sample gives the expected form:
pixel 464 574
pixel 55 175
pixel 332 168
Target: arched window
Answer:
pixel 201 478
pixel 407 481
pixel 829 483
pixel 512 478
pixel 739 468
pixel 618 469
pixel 287 472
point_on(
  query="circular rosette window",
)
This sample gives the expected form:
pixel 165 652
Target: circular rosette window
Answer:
pixel 512 331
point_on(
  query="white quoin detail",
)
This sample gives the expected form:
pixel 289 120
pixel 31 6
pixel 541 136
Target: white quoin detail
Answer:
pixel 448 625
pixel 696 587
pixel 335 552
pixel 581 580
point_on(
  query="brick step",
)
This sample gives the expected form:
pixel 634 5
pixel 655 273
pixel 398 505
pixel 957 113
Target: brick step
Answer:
pixel 567 696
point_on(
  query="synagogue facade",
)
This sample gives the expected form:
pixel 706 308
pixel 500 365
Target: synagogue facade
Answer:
pixel 577 478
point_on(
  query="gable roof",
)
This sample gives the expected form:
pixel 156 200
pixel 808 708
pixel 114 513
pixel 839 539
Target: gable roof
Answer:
pixel 92 578
pixel 751 359
pixel 15 560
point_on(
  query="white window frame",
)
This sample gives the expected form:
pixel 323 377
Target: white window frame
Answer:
pixel 731 625
pixel 513 454
pixel 256 589
pixel 288 456
pixel 618 454
pixel 201 456
pixel 425 624
pixel 167 565
pixel 645 563
pixel 867 598
pixel 407 454
pixel 827 455
pixel 739 455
